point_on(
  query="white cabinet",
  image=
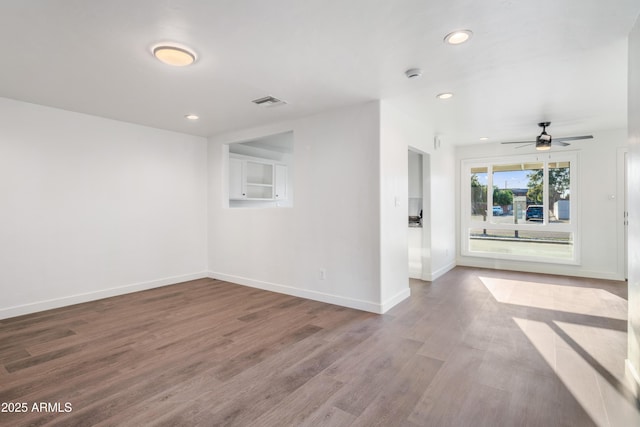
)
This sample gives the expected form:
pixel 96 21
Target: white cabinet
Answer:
pixel 236 180
pixel 256 179
pixel 280 182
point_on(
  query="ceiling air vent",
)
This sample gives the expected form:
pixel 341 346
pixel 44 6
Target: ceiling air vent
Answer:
pixel 269 101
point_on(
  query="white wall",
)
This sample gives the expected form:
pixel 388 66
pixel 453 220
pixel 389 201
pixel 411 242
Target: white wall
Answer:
pixel 402 129
pixel 633 185
pixel 91 207
pixel 601 240
pixel 332 226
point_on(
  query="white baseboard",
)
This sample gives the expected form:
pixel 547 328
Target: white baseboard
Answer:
pixel 415 273
pixel 439 272
pixel 306 293
pixel 633 377
pixel 394 300
pixel 556 269
pixel 37 306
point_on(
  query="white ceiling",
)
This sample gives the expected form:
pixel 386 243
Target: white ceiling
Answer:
pixel 564 61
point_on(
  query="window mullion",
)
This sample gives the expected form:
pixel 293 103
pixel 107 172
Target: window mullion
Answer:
pixel 490 193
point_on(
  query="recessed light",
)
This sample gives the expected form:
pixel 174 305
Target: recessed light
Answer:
pixel 178 56
pixel 445 95
pixel 458 37
pixel 484 138
pixel 192 117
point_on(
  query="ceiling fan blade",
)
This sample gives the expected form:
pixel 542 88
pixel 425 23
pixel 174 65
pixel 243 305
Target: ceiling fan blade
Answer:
pixel 526 145
pixel 574 138
pixel 560 143
pixel 519 142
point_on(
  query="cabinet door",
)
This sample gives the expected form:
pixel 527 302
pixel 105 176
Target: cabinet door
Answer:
pixel 236 179
pixel 280 182
pixel 258 180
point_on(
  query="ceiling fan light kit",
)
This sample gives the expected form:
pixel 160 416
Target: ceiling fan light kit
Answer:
pixel 543 146
pixel 544 141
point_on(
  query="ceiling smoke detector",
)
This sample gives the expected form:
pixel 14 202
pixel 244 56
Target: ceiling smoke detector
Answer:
pixel 269 101
pixel 413 73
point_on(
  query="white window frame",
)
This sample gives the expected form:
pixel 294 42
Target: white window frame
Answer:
pixel 466 222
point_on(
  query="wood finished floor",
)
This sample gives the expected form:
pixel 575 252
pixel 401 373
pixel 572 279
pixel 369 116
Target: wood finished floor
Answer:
pixel 473 348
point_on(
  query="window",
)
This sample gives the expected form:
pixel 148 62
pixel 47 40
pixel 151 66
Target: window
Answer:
pixel 520 208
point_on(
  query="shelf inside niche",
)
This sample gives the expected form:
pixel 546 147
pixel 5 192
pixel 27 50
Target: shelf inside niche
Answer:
pixel 259 191
pixel 259 173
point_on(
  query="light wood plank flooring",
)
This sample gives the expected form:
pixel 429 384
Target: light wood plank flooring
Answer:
pixel 473 348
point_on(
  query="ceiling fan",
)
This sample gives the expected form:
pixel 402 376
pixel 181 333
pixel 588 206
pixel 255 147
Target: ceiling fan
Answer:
pixel 544 141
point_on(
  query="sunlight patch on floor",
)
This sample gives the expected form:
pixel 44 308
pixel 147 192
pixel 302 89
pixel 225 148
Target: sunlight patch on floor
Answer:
pixel 581 333
pixel 574 372
pixel 562 298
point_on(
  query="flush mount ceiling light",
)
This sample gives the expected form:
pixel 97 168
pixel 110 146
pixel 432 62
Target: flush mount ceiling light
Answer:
pixel 192 117
pixel 458 37
pixel 445 95
pixel 484 138
pixel 178 56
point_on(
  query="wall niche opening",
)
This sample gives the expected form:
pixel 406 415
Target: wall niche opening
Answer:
pixel 261 172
